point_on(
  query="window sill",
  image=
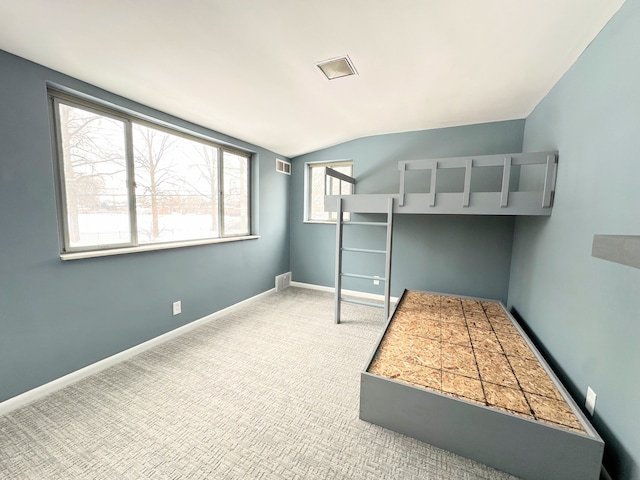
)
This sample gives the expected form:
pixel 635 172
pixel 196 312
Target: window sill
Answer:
pixel 151 248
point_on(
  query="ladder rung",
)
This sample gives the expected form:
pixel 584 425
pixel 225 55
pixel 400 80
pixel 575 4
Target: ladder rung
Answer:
pixel 361 302
pixel 371 224
pixel 364 250
pixel 366 277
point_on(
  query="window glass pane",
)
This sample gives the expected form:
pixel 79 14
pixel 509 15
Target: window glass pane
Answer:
pixel 236 194
pixel 176 186
pixel 317 182
pixel 95 178
pixel 118 172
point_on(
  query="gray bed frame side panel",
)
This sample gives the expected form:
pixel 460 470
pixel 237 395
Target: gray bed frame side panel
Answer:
pixel 515 445
pixel 446 203
pixel 526 448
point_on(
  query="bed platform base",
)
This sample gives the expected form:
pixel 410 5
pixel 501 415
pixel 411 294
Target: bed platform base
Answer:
pixel 525 447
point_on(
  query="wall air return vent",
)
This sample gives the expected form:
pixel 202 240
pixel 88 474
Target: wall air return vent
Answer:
pixel 283 167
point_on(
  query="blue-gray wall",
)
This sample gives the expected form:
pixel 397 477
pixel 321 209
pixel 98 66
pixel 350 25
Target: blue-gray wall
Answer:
pixel 586 311
pixel 453 254
pixel 57 317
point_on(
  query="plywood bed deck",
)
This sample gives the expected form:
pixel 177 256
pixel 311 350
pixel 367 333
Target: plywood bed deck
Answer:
pixel 460 373
pixel 469 349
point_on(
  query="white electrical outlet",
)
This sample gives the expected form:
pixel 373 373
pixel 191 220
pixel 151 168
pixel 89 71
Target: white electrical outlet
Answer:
pixel 177 307
pixel 590 402
pixel 376 280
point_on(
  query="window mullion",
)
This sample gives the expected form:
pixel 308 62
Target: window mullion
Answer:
pixel 221 192
pixel 131 180
pixel 308 204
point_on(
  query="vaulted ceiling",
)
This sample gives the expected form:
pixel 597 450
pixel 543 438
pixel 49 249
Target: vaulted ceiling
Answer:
pixel 247 67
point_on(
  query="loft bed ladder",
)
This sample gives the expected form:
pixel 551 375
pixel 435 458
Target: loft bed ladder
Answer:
pixel 340 250
pixel 340 224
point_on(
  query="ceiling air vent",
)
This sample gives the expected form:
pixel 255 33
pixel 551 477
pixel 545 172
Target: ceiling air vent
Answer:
pixel 283 167
pixel 337 67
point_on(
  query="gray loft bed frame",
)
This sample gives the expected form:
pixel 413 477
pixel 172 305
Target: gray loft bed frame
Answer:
pixel 514 444
pixel 503 201
pixel 466 202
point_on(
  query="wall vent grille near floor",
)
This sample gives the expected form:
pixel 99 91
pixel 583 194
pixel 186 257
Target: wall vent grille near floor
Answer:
pixel 283 281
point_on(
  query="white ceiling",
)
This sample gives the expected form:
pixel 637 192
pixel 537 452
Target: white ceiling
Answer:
pixel 247 67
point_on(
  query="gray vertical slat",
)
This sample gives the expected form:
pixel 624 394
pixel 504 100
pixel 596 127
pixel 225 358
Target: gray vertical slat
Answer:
pixel 432 192
pixel 506 177
pixel 549 180
pixel 387 268
pixel 467 183
pixel 338 283
pixel 402 166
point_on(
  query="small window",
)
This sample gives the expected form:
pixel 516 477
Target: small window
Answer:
pixel 318 184
pixel 125 182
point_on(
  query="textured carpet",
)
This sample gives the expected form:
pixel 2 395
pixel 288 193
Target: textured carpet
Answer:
pixel 269 391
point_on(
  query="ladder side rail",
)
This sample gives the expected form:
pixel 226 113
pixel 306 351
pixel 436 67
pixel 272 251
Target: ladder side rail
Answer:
pixel 387 269
pixel 338 272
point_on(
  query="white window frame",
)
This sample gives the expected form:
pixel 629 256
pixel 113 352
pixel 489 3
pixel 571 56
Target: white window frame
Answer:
pixel 308 194
pixel 68 252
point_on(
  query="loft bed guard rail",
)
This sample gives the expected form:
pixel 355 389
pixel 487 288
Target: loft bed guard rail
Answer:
pixel 512 197
pixel 341 177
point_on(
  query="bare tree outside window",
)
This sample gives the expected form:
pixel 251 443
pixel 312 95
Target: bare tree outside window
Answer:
pixel 95 176
pixel 118 172
pixel 208 169
pixel 236 194
pixel 155 179
pixel 176 186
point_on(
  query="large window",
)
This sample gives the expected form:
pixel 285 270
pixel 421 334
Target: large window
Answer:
pixel 125 182
pixel 318 184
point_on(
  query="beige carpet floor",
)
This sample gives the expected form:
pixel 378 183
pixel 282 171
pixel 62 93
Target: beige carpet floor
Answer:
pixel 269 391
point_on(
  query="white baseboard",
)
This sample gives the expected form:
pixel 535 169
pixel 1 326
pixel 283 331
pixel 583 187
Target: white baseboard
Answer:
pixel 59 383
pixel 353 293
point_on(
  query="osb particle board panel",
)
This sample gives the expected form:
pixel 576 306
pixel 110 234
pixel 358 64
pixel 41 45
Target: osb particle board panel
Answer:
pixel 469 349
pixel 458 373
